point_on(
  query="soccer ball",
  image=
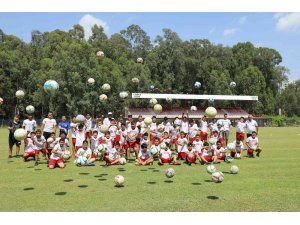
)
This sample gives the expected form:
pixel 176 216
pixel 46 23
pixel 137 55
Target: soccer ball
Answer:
pixel 20 134
pixel 139 60
pixel 135 80
pixel 66 155
pixel 119 180
pixel 169 100
pixel 211 100
pixel 123 94
pixel 232 84
pixel 81 160
pixel 105 87
pixel 50 140
pixel 1 101
pixel 231 146
pixel 157 108
pixel 51 86
pixel 160 127
pixel 103 128
pixel 177 122
pixel 80 119
pixel 91 81
pixel 20 94
pixel 197 84
pixel 103 98
pixel 234 169
pixel 217 177
pixel 211 169
pixel 163 145
pixel 30 109
pixel 101 148
pixel 210 112
pixel 148 120
pixel 153 101
pixel 212 141
pixel 228 159
pixel 238 156
pixel 170 173
pixel 100 54
pixel 153 150
pixel 122 161
pixel 193 108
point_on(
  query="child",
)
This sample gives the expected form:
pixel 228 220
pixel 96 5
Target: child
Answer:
pixel 113 130
pixel 50 146
pixel 253 146
pixel 240 129
pixel 12 127
pixel 174 136
pixel 88 126
pixel 63 136
pixel 107 140
pixel 219 151
pixel 166 139
pixel 153 130
pixel 85 151
pixel 113 156
pixel 30 149
pixel 74 128
pixel 145 157
pixel 40 144
pixel 181 149
pixel 95 141
pixel 132 134
pixel 56 155
pixel 197 144
pixel 165 156
pixel 193 128
pixel 123 136
pixel 206 156
pixel 80 137
pixel 144 140
pixel 203 129
pixel 239 147
pixel 191 155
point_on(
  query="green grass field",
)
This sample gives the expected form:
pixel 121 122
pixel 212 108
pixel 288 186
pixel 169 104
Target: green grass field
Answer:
pixel 268 183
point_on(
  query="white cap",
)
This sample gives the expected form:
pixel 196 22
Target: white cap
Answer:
pixel 110 113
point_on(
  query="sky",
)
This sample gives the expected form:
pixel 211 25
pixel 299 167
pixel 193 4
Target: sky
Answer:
pixel 280 31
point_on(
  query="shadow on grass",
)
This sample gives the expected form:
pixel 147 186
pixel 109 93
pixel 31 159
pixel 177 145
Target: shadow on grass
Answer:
pixel 102 179
pixel 208 181
pixel 143 170
pixel 68 180
pixel 119 186
pixel 155 170
pixel 168 181
pixel 151 182
pixel 84 173
pixel 61 193
pixel 225 172
pixel 83 186
pixel 104 174
pixel 30 167
pixel 28 189
pixel 151 168
pixel 121 169
pixel 196 183
pixel 212 197
pixel 10 161
pixel 38 169
pixel 98 175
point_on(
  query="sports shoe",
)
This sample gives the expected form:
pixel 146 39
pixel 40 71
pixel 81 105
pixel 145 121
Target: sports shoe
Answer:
pixel 257 154
pixel 91 164
pixel 10 156
pixel 36 163
pixel 17 156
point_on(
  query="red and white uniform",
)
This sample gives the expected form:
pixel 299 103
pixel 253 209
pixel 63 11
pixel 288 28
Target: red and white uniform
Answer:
pixel 185 127
pixel 193 132
pixel 252 142
pixel 73 125
pixel 39 143
pixel 174 134
pixel 113 130
pixel 144 155
pixel 56 157
pixel 142 125
pixel 191 156
pixel 166 140
pixel 238 147
pixel 30 148
pixel 144 141
pixel 204 130
pixel 80 137
pixel 66 144
pixel 95 143
pixel 214 127
pixel 240 127
pixel 182 147
pixel 49 125
pixel 108 142
pixel 168 127
pixel 112 154
pixel 166 155
pixel 219 152
pixel 50 146
pixel 88 126
pixel 123 136
pixel 197 145
pixel 85 152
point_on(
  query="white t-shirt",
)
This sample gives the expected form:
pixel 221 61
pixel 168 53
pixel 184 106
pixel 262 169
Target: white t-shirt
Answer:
pixel 174 132
pixel 113 129
pixel 166 153
pixel 193 130
pixel 123 136
pixel 219 152
pixel 182 144
pixel 168 127
pixel 30 147
pixel 145 155
pixel 185 127
pixel 251 126
pixel 142 125
pixel 80 137
pixel 203 126
pixel 39 142
pixel 107 142
pixel 197 145
pixel 66 144
pixel 238 147
pixel 214 126
pixel 131 133
pixel 106 122
pixel 57 156
pixel 95 142
pixel 252 142
pixel 206 151
pixel 226 124
pixel 112 154
pixel 88 125
pixel 49 124
pixel 86 153
pixel 240 127
pixel 29 125
pixel 73 125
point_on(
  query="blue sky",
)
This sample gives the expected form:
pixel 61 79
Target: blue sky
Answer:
pixel 275 30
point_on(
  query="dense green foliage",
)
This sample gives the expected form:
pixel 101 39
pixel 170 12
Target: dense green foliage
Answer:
pixel 170 64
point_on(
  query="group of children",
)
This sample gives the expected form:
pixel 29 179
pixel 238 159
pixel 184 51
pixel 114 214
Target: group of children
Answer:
pixel 180 141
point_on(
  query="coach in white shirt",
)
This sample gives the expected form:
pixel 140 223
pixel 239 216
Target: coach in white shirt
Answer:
pixel 106 121
pixel 48 125
pixel 251 125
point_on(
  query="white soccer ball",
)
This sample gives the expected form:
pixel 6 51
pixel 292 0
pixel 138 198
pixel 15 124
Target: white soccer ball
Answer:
pixel 211 100
pixel 154 150
pixel 119 180
pixel 169 100
pixel 20 134
pixel 148 120
pixel 135 80
pixel 238 156
pixel 51 86
pixel 177 122
pixel 101 148
pixel 105 87
pixel 217 177
pixel 234 169
pixel 161 127
pixel 139 60
pixel 197 84
pixel 30 109
pixel 153 101
pixel 122 161
pixel 231 146
pixel 1 101
pixel 81 161
pixel 170 173
pixel 211 169
pixel 100 54
pixel 157 108
pixel 193 108
pixel 103 98
pixel 210 112
pixel 123 94
pixel 232 84
pixel 50 140
pixel 66 155
pixel 104 128
pixel 80 119
pixel 91 81
pixel 212 141
pixel 163 145
pixel 20 94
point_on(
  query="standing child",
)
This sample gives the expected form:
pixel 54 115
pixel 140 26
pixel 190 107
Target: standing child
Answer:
pixel 203 129
pixel 240 129
pixel 80 137
pixel 74 128
pixel 95 141
pixel 197 145
pixel 50 143
pixel 88 126
pixel 12 127
pixel 182 146
pixel 193 129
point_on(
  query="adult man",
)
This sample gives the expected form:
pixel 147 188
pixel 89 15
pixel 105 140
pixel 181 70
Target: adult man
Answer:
pixel 48 125
pixel 64 126
pixel 106 121
pixel 226 126
pixel 251 125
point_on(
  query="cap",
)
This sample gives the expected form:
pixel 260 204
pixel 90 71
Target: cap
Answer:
pixel 110 113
